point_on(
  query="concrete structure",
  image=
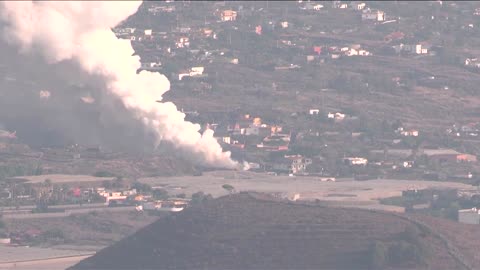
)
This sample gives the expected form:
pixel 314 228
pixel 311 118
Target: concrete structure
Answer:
pixel 469 216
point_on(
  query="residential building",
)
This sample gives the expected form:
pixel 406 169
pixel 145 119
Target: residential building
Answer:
pixel 356 161
pixel 317 7
pixel 411 48
pixel 472 62
pixel 317 50
pixel 228 15
pixel 373 15
pixel 337 116
pixel 469 216
pixel 151 66
pixel 258 29
pixel 359 6
pixel 193 72
pixel 295 164
pixel 314 111
pixel 409 133
pixel 182 42
pixel 466 158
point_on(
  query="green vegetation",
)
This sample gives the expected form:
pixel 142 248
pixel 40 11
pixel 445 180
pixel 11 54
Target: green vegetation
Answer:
pixel 104 174
pixel 379 255
pixel 228 188
pixel 14 170
pixel 160 194
pixel 407 248
pixel 141 187
pixel 200 197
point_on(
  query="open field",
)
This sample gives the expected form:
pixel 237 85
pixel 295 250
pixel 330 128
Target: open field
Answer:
pixel 363 193
pixel 39 258
pixel 63 178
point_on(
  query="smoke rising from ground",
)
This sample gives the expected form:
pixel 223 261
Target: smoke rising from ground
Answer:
pixel 81 31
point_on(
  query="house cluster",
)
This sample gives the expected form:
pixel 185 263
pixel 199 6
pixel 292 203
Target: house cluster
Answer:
pixel 289 164
pixel 355 161
pixel 171 205
pixel 410 48
pixel 270 138
pixel 373 15
pixel 193 72
pixel 468 130
pixel 472 63
pixel 228 15
pixel 407 132
pixel 320 53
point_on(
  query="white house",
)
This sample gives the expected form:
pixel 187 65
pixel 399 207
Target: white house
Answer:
pixel 183 42
pixel 147 32
pixel 196 71
pixel 359 6
pixel 410 48
pixel 228 15
pixel 364 53
pixel 469 216
pixel 151 65
pixel 409 133
pixel 336 116
pixel 356 161
pixel 472 62
pixel 318 7
pixel 373 15
pixel 314 111
pixel 351 52
pixel 284 24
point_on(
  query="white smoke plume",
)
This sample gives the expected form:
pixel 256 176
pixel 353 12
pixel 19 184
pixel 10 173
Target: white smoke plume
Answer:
pixel 81 31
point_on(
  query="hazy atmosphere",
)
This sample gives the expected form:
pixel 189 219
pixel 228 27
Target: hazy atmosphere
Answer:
pixel 239 134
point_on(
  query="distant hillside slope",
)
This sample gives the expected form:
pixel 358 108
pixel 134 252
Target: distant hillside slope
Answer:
pixel 242 231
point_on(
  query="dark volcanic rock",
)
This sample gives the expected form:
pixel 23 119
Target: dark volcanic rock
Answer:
pixel 244 232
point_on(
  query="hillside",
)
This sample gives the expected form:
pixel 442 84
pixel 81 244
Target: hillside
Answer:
pixel 244 231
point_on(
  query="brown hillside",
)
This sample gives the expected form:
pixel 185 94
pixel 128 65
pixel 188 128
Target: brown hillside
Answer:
pixel 246 232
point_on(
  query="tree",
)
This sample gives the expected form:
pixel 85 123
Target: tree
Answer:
pixel 47 183
pixel 452 211
pixel 141 187
pixel 118 182
pixel 229 188
pixel 379 255
pixel 200 197
pixel 160 194
pixel 107 184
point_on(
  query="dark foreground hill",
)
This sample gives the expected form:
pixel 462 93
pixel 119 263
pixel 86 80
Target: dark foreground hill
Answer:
pixel 244 231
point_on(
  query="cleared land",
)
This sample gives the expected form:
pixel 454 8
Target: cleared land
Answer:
pixel 39 258
pixel 345 191
pixel 63 178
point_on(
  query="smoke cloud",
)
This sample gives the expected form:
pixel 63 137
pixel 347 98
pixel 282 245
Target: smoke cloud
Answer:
pixel 80 31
